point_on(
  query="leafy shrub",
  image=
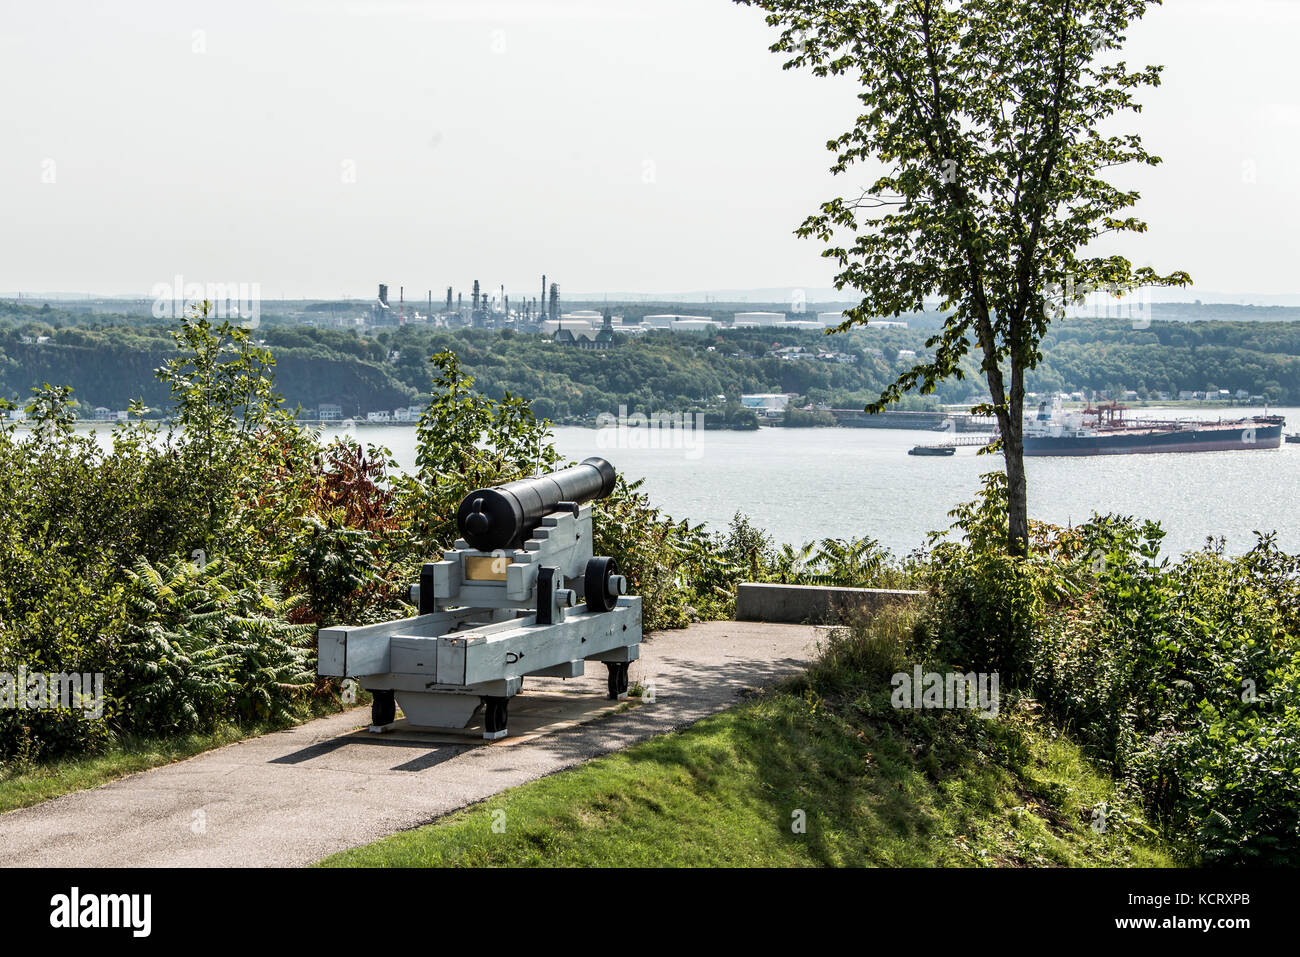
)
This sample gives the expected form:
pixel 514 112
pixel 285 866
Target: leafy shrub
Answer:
pixel 671 565
pixel 84 529
pixel 351 559
pixel 852 563
pixel 1183 677
pixel 201 650
pixel 870 646
pixel 989 607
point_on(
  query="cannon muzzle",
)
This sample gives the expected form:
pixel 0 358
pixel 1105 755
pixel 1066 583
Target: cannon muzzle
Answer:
pixel 507 515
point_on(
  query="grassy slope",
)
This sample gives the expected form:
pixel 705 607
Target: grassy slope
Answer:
pixel 877 789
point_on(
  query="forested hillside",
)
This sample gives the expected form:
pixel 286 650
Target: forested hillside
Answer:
pixel 111 360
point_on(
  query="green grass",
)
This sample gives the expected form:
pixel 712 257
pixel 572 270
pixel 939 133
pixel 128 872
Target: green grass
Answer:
pixel 876 788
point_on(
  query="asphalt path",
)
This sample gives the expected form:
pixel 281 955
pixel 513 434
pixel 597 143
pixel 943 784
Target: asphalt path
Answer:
pixel 293 797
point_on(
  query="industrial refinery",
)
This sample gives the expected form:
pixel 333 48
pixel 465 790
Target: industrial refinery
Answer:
pixel 485 309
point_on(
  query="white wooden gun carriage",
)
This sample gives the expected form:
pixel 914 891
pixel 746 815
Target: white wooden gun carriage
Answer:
pixel 520 595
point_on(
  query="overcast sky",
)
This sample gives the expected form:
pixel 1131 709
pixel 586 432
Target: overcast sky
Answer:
pixel 317 148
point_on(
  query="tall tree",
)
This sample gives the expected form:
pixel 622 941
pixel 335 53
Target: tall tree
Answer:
pixel 989 121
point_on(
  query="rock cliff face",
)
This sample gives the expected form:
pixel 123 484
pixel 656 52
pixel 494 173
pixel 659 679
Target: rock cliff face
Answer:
pixel 112 375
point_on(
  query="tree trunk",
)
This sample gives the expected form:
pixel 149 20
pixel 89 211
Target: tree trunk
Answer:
pixel 1009 408
pixel 1013 448
pixel 1013 451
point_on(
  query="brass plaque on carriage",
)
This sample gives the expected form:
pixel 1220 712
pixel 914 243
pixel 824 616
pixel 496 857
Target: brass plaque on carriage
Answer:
pixel 484 568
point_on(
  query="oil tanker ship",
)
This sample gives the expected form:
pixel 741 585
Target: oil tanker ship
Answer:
pixel 1103 430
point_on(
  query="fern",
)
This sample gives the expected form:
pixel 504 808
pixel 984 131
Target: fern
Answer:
pixel 200 650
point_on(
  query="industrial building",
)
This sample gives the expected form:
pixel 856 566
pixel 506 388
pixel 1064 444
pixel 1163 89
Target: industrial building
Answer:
pixel 666 321
pixel 698 326
pixel 748 320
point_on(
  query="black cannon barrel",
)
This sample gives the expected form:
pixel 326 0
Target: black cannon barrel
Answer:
pixel 504 516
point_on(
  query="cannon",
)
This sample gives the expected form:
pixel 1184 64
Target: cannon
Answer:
pixel 505 516
pixel 520 594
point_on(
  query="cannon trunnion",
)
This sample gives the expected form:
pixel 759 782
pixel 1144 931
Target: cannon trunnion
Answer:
pixel 520 595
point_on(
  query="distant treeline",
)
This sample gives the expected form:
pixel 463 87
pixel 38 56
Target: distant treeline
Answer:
pixel 110 360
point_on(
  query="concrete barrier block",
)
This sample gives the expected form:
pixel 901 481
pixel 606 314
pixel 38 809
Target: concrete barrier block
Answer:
pixel 812 604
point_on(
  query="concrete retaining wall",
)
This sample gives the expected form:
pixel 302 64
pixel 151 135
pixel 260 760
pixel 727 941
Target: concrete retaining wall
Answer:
pixel 812 604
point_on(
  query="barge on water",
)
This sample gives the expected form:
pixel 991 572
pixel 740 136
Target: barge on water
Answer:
pixel 1104 431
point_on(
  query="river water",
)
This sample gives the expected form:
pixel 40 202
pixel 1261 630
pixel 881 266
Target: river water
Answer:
pixel 805 484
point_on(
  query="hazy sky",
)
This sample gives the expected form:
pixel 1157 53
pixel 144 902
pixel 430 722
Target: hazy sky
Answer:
pixel 318 148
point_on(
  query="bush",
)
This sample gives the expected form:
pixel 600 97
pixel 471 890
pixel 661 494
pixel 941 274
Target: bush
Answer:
pixel 201 650
pixel 671 565
pixel 1182 677
pixel 869 646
